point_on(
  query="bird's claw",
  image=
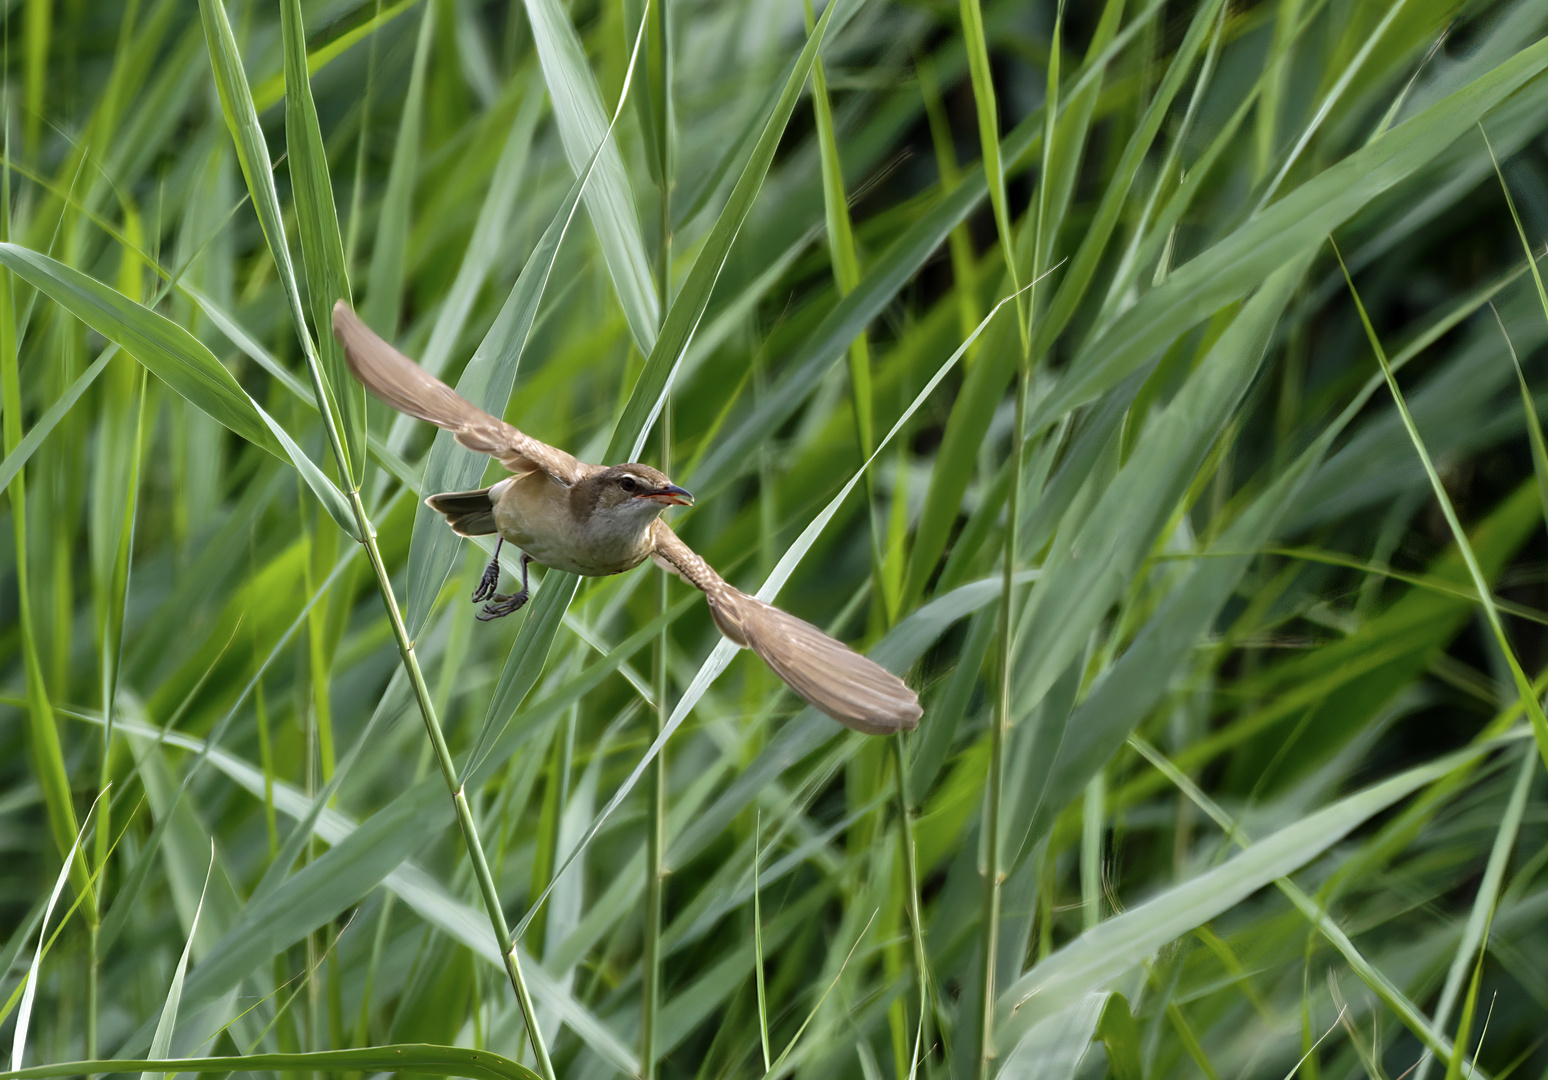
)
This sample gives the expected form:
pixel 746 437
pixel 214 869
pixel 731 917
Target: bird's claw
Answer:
pixel 488 583
pixel 501 605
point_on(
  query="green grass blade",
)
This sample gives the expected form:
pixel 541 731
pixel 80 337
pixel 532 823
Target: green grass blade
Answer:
pixel 175 357
pixel 271 91
pixel 322 245
pixel 1241 261
pixel 119 914
pixel 388 270
pixel 161 1042
pixel 583 127
pixel 1350 70
pixel 29 995
pixel 490 232
pixel 1458 1058
pixel 1485 903
pixel 1103 953
pixel 28 444
pixel 846 274
pixel 987 106
pixel 1131 513
pixel 1529 700
pixel 168 351
pixel 1510 203
pixel 1077 280
pixel 1055 1048
pixel 1534 425
pixel 1315 912
pixel 763 1004
pixel 420 1058
pixel 682 319
pixel 236 102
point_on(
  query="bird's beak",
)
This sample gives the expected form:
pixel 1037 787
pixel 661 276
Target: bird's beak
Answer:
pixel 671 495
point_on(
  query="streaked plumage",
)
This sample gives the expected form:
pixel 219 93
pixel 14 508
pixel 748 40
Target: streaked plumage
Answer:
pixel 595 520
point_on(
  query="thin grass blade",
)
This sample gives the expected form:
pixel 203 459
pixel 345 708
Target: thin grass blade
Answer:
pixel 161 1042
pixel 421 1058
pixel 583 128
pixel 682 320
pixel 322 245
pixel 1529 699
pixel 29 995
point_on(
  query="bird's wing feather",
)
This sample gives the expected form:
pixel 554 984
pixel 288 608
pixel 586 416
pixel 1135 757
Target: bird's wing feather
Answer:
pixel 411 389
pixel 856 692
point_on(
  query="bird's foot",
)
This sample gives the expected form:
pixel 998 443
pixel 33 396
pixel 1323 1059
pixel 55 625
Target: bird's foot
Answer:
pixel 491 579
pixel 501 605
pixel 488 583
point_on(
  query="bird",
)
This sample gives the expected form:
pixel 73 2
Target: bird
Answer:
pixel 596 520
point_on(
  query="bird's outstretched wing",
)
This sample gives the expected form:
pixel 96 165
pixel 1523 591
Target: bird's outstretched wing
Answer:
pixel 856 692
pixel 411 389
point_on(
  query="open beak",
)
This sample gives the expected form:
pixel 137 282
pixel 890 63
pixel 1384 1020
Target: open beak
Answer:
pixel 671 495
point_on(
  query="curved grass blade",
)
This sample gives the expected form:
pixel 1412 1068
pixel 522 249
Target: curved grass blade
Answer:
pixel 29 995
pixel 322 246
pixel 1483 909
pixel 682 319
pixel 1528 696
pixel 384 278
pixel 236 103
pixel 584 130
pixel 175 357
pixel 416 1058
pixel 171 353
pixel 1314 911
pixel 161 1042
pixel 1534 425
pixel 1241 261
pixel 1101 954
pixel 1510 203
pixel 46 423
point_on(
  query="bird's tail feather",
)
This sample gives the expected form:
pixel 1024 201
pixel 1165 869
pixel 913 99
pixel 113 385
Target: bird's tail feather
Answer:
pixel 469 513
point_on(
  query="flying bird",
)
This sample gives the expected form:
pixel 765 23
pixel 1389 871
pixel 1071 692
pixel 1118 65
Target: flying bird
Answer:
pixel 594 521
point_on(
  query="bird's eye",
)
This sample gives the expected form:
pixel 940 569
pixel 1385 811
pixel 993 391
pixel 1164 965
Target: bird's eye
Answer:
pixel 628 483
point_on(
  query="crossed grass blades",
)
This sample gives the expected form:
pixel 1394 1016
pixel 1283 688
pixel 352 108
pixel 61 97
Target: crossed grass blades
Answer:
pixel 1214 547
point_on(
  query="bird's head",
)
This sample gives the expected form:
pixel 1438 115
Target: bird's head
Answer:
pixel 635 492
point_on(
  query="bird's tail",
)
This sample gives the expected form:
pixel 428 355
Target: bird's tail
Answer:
pixel 857 692
pixel 469 513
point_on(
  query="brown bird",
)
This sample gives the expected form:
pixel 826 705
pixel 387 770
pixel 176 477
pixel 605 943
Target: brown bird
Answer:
pixel 590 520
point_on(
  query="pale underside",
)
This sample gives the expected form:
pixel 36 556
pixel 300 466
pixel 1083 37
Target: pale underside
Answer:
pixel 532 511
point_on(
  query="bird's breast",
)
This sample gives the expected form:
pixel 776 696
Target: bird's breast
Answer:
pixel 535 513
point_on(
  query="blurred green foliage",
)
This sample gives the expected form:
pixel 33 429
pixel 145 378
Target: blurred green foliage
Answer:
pixel 1269 801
